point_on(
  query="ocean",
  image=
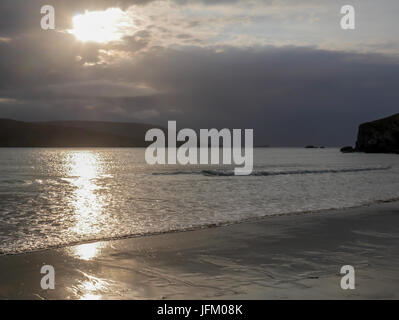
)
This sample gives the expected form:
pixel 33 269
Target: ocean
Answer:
pixel 57 197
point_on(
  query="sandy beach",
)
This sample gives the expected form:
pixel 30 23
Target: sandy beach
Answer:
pixel 283 257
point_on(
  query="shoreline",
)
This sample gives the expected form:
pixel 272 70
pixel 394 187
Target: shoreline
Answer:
pixel 202 227
pixel 287 257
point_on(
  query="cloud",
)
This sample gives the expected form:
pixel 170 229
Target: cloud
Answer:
pixel 289 95
pixel 225 64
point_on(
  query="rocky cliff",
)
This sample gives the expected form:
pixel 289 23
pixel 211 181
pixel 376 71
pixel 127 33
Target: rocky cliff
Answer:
pixel 380 136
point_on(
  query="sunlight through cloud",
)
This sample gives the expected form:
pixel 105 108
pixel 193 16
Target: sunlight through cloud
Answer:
pixel 101 26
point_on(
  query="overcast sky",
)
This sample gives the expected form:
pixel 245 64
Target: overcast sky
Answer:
pixel 282 67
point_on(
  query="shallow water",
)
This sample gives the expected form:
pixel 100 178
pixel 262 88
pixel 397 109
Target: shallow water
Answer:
pixel 53 197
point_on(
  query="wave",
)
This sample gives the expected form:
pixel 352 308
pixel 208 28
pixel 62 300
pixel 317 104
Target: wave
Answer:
pixel 261 173
pixel 20 182
pixel 16 251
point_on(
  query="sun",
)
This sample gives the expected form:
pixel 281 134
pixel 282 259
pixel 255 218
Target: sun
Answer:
pixel 100 26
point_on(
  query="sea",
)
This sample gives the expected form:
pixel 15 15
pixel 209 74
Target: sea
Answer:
pixel 55 197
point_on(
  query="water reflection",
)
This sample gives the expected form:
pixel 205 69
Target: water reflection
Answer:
pixel 87 251
pixel 84 169
pixel 92 288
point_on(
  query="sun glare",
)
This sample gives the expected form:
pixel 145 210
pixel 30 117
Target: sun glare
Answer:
pixel 100 26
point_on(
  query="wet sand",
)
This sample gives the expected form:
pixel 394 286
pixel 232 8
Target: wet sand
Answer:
pixel 283 257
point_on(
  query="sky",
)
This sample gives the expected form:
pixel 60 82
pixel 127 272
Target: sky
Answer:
pixel 284 68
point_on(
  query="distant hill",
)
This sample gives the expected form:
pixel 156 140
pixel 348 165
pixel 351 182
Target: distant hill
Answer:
pixel 72 134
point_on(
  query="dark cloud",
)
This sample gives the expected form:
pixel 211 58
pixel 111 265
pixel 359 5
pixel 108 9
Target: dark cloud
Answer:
pixel 288 95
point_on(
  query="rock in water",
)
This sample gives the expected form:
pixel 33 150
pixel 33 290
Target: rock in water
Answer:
pixel 380 136
pixel 347 149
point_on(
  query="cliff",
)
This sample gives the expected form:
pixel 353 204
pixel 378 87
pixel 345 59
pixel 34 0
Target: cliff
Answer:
pixel 380 136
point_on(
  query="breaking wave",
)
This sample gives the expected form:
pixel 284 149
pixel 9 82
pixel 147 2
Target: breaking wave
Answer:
pixel 228 173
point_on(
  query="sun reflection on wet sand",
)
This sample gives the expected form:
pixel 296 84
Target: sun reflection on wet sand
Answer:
pixel 91 288
pixel 87 251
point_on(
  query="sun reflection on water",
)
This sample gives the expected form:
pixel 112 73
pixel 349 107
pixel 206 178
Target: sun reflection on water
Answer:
pixel 88 196
pixel 84 169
